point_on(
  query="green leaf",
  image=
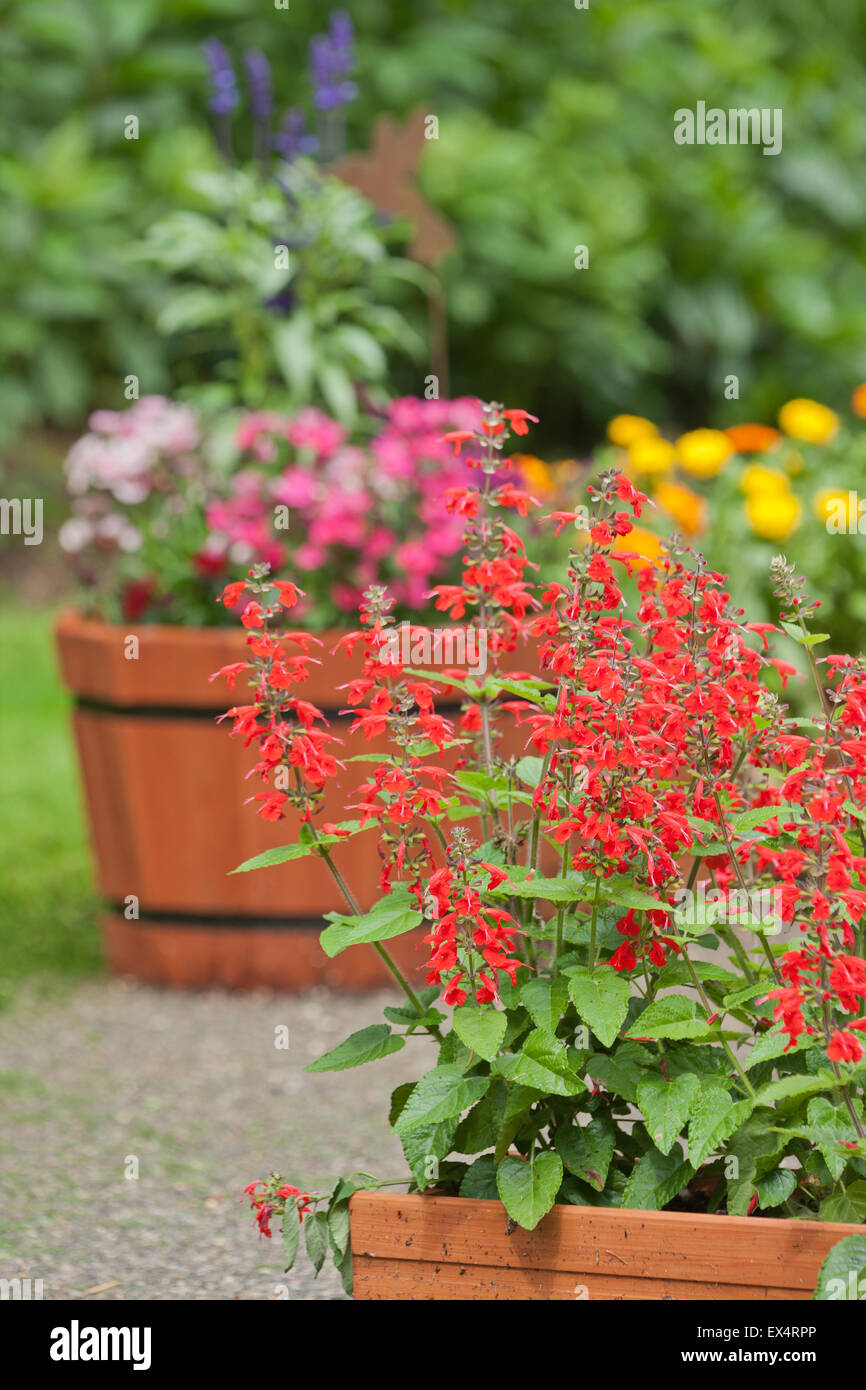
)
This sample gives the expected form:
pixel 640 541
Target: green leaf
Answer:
pixel 481 1028
pixel 666 1106
pixel 316 1238
pixel 291 1232
pixel 810 639
pixel 364 1046
pixel 441 1094
pixel 750 820
pixel 671 1017
pixel 773 1043
pixel 281 854
pixel 601 998
pixel 551 890
pixel 627 895
pixel 587 1151
pixel 842 1277
pixel 796 1086
pixel 656 1179
pixel 479 1180
pixel 338 1228
pixel 714 1118
pixel 775 1188
pixel 839 1207
pixel 621 1073
pixel 546 1001
pixel 528 1190
pixel 392 916
pixel 425 1147
pixel 529 770
pixel 543 1062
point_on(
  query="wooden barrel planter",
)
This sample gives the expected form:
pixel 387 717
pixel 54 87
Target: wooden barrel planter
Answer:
pixel 164 789
pixel 448 1248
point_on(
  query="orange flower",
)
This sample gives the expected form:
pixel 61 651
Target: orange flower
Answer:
pixel 534 472
pixel 642 543
pixel 752 439
pixel 858 400
pixel 686 508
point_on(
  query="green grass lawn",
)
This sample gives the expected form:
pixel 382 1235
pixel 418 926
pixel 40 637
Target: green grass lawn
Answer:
pixel 48 923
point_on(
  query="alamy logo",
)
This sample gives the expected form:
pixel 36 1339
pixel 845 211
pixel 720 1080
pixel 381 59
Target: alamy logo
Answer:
pixel 439 646
pixel 22 516
pixel 76 1343
pixel 738 126
pixel 20 1290
pixel 759 909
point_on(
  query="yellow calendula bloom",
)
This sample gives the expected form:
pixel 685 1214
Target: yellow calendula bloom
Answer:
pixel 837 503
pixel 686 508
pixel 651 455
pixel 625 429
pixel 758 480
pixel 809 420
pixel 535 474
pixel 642 543
pixel 703 453
pixel 774 515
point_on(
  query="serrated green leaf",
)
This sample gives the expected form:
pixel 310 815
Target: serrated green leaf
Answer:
pixel 587 1150
pixel 842 1277
pixel 551 890
pixel 655 1180
pixel 479 1180
pixel 601 998
pixel 714 1119
pixel 392 916
pixel 775 1188
pixel 281 854
pixel 796 1086
pixel 338 1228
pixel 481 1028
pixel 291 1232
pixel 672 1017
pixel 528 1190
pixel 441 1094
pixel 424 1148
pixel 316 1238
pixel 543 1063
pixel 774 1043
pixel 546 1001
pixel 666 1106
pixel 364 1046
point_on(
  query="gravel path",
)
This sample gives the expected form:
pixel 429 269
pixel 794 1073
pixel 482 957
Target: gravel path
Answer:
pixel 194 1088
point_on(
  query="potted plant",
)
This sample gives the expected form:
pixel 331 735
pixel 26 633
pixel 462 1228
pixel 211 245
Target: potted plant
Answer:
pixel 164 503
pixel 641 1075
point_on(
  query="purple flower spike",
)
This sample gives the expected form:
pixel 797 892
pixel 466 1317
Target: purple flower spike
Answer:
pixel 292 139
pixel 260 84
pixel 224 88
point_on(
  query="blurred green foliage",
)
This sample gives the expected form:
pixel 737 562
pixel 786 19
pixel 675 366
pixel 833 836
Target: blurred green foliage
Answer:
pixel 556 130
pixel 47 907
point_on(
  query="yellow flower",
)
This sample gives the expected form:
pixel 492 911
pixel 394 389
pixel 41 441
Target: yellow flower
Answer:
pixel 809 420
pixel 774 515
pixel 687 509
pixel 651 455
pixel 535 473
pixel 625 429
pixel 703 453
pixel 643 543
pixel 758 481
pixel 833 501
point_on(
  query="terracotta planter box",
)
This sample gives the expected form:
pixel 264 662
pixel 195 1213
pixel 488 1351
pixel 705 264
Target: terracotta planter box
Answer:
pixel 448 1248
pixel 164 788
